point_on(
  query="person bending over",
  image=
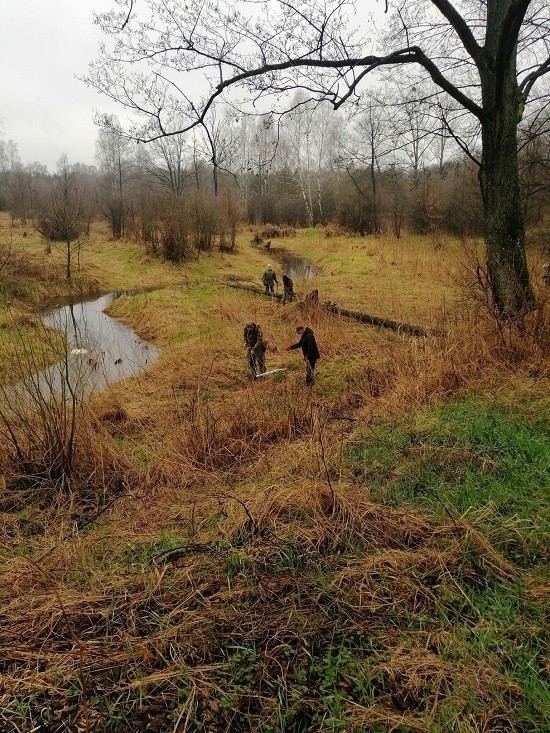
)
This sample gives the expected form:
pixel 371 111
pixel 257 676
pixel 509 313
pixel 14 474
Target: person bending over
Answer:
pixel 310 351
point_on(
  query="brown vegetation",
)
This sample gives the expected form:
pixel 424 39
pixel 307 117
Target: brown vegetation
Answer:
pixel 272 231
pixel 215 547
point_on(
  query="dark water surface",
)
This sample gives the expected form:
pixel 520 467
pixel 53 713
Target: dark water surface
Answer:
pixel 100 349
pixel 293 265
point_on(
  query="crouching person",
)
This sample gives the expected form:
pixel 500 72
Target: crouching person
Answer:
pixel 256 347
pixel 258 353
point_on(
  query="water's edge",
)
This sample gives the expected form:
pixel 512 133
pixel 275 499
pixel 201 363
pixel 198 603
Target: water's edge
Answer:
pixel 100 349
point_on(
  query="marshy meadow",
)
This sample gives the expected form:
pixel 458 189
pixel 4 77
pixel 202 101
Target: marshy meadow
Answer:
pixel 188 549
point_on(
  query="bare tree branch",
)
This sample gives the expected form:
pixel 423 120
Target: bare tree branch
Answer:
pixel 461 28
pixel 527 84
pixel 458 140
pixel 128 16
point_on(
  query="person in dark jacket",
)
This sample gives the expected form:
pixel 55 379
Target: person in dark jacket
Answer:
pixel 310 351
pixel 288 290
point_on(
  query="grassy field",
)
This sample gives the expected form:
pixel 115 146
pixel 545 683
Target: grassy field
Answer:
pixel 368 556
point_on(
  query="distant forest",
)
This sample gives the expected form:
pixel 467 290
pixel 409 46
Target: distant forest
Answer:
pixel 390 167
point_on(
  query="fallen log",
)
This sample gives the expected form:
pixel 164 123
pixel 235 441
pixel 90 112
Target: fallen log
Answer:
pixel 375 320
pixel 253 289
pixel 339 311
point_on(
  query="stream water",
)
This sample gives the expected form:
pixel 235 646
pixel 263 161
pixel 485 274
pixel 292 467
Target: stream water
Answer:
pixel 293 265
pixel 100 349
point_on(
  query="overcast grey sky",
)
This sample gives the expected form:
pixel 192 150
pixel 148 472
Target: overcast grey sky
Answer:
pixel 43 107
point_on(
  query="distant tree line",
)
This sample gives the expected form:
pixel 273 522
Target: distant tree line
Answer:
pixel 390 167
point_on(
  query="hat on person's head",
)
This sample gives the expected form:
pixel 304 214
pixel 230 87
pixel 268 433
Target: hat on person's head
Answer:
pixel 269 267
pixel 300 328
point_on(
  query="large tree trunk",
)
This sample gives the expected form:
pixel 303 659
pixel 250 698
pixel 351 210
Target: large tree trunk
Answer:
pixel 499 175
pixel 504 224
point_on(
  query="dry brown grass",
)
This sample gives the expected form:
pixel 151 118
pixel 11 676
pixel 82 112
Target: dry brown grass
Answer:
pixel 405 280
pixel 414 279
pixel 215 545
pixel 273 567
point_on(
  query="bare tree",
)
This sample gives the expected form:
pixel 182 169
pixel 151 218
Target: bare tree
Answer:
pixel 485 54
pixel 534 162
pixel 114 157
pixel 215 128
pixel 396 199
pixel 168 160
pixel 17 182
pixel 261 148
pixel 369 146
pixel 308 136
pixel 63 213
pixel 299 133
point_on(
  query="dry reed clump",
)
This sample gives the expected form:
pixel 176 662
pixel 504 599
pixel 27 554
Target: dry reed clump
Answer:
pixel 339 518
pixel 99 463
pixel 368 384
pixel 23 266
pixel 213 434
pixel 140 637
pixel 272 231
pixel 331 230
pixel 333 516
pixel 54 468
pixel 111 413
pixel 416 676
pixel 473 353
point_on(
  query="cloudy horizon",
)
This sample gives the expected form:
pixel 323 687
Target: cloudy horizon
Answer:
pixel 44 108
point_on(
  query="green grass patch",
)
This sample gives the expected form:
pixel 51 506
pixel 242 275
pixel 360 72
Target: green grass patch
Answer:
pixel 488 461
pixel 502 631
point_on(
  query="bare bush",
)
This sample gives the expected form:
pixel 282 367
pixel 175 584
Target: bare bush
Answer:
pixel 48 437
pixel 63 215
pixel 39 413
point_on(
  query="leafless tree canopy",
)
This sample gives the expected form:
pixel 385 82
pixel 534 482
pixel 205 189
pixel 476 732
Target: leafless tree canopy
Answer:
pixel 327 49
pixel 482 58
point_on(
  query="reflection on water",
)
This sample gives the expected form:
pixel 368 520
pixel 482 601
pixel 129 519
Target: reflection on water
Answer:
pixel 100 349
pixel 293 265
